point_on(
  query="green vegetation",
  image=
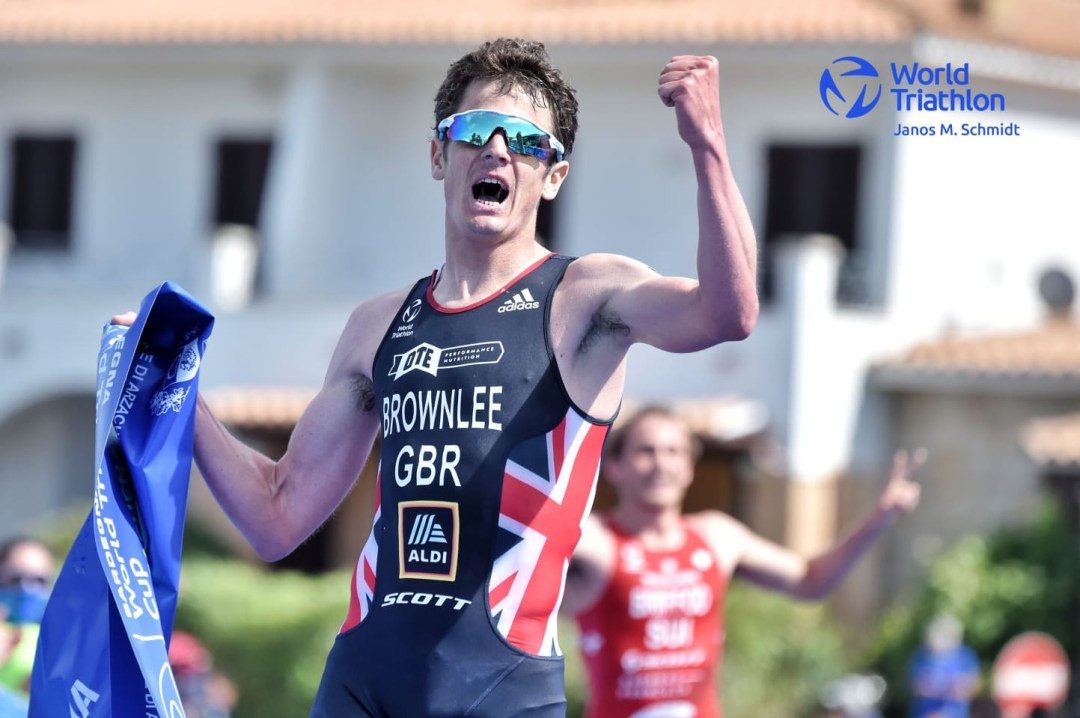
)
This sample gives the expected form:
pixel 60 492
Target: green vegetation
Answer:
pixel 1016 579
pixel 779 654
pixel 270 631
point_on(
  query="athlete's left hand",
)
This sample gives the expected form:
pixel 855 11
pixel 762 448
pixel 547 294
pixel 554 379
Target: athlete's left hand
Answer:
pixel 691 84
pixel 901 494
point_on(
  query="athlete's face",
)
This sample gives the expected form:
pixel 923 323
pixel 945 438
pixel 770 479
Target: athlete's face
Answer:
pixel 656 464
pixel 489 190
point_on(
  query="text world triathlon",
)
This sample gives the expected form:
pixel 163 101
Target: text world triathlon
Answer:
pixel 913 93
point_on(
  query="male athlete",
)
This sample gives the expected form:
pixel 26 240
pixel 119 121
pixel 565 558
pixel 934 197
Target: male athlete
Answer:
pixel 647 583
pixel 493 382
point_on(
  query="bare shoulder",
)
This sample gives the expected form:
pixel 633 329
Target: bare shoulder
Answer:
pixel 380 308
pixel 597 543
pixel 724 534
pixel 594 557
pixel 603 269
pixel 591 567
pixel 712 521
pixel 622 288
pixel 583 300
pixel 364 331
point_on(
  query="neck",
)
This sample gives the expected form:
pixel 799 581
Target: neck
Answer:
pixel 475 269
pixel 657 527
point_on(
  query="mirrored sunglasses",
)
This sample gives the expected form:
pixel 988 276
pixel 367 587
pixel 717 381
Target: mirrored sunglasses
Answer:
pixel 522 137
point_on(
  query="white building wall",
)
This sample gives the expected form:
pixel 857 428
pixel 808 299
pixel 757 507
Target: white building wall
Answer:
pixel 979 218
pixel 955 230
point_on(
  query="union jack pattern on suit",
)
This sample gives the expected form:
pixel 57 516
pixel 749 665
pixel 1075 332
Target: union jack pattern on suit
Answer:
pixel 548 488
pixel 363 581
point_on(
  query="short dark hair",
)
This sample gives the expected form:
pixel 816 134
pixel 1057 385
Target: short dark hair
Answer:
pixel 616 442
pixel 7 548
pixel 513 63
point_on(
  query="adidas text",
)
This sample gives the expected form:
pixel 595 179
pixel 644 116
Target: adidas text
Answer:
pixel 518 302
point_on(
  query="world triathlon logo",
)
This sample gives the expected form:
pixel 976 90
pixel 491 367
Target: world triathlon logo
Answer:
pixel 836 94
pixel 851 86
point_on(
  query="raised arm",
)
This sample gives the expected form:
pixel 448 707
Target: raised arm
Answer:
pixel 679 314
pixel 775 567
pixel 276 505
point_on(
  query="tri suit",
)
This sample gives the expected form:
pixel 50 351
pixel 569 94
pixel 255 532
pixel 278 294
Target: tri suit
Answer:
pixel 652 641
pixel 487 472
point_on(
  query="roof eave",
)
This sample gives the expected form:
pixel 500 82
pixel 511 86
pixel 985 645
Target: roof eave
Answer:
pixel 906 379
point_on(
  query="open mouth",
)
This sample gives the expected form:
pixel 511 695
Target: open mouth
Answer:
pixel 490 190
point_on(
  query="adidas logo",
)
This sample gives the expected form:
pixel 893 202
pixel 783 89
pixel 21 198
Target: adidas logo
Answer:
pixel 426 530
pixel 523 300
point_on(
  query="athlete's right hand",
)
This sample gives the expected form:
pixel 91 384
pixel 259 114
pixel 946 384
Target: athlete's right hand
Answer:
pixel 126 319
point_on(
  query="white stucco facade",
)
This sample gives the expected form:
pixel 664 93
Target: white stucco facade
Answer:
pixel 954 231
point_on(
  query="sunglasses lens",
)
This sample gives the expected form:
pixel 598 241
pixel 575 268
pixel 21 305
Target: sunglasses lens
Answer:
pixel 529 144
pixel 522 136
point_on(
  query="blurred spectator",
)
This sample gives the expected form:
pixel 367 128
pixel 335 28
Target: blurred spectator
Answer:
pixel 944 672
pixel 12 704
pixel 854 696
pixel 26 575
pixel 204 691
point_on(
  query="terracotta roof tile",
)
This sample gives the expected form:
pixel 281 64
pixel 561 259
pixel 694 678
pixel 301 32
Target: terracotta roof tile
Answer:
pixel 1050 351
pixel 250 407
pixel 727 419
pixel 1053 442
pixel 1050 26
pixel 435 21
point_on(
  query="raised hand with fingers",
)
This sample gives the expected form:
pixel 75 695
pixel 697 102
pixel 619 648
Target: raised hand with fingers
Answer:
pixel 691 84
pixel 901 494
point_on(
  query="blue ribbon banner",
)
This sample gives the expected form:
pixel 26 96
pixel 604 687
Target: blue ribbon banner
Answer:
pixel 103 648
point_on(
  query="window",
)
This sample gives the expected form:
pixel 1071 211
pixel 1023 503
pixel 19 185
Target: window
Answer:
pixel 242 165
pixel 814 189
pixel 42 187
